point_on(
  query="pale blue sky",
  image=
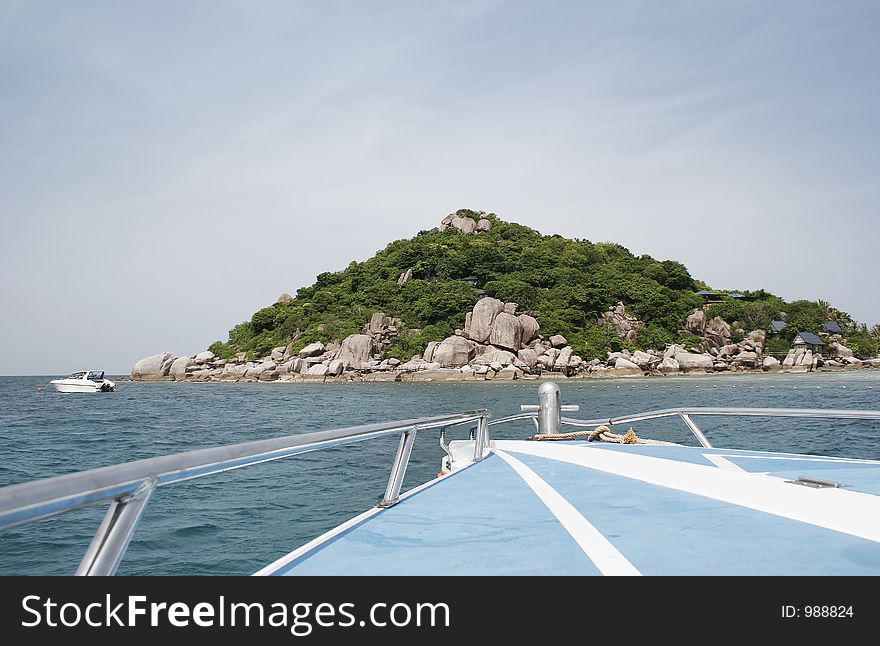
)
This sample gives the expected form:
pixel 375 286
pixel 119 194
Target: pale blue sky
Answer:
pixel 167 168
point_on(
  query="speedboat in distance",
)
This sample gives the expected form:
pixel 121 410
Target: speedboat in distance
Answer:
pixel 86 381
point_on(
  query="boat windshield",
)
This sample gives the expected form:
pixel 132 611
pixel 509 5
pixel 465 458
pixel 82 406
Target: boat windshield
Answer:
pixel 76 375
pixel 96 375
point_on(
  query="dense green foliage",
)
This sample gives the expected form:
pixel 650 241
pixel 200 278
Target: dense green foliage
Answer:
pixel 569 283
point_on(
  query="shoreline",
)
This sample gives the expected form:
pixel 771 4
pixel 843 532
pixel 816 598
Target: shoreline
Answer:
pixel 455 376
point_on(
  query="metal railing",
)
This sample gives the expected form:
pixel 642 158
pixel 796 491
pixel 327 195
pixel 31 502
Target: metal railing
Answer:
pixel 548 419
pixel 129 487
pixel 687 414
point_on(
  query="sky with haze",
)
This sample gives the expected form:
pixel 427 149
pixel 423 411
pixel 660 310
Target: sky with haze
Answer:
pixel 168 168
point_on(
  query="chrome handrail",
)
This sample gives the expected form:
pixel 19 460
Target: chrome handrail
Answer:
pixel 686 415
pixel 129 486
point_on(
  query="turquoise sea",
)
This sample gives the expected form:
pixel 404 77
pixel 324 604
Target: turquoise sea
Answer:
pixel 237 522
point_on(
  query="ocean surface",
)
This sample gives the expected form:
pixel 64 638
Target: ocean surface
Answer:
pixel 237 522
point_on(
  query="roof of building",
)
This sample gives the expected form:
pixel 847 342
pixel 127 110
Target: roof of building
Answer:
pixel 737 295
pixel 778 326
pixel 810 338
pixel 833 327
pixel 706 292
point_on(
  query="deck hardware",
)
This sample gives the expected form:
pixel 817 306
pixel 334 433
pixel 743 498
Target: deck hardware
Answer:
pixel 815 483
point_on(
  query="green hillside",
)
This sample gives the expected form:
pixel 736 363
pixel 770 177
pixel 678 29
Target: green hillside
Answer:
pixel 568 283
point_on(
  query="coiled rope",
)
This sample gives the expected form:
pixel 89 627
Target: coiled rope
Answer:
pixel 602 433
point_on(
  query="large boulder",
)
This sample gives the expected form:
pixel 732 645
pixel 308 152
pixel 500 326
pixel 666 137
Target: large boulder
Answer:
pixel 179 366
pixel 491 355
pixel 620 362
pixel 285 298
pixel 771 364
pixel 404 277
pixel 529 326
pixel 478 326
pixel 506 332
pixel 528 357
pixel 642 359
pixel 464 224
pixel 316 371
pixel 277 354
pixel 378 322
pixel 840 350
pixel 558 341
pixel 453 352
pixel 688 361
pixel 669 366
pixel 872 363
pixel 484 225
pixel 157 365
pixel 335 368
pixel 746 359
pixel 717 332
pixel 204 357
pixel 562 360
pixel 355 350
pixel 312 350
pixel 696 323
pixel 430 350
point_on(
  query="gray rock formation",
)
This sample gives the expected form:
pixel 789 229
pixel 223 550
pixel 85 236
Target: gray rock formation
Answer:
pixel 277 354
pixel 179 366
pixel 404 277
pixel 696 323
pixel 355 351
pixel 312 350
pixel 562 360
pixel 620 362
pixel 479 326
pixel 840 350
pixel 204 357
pixel 464 224
pixel 624 325
pixel 771 364
pixel 484 225
pixel 453 352
pixel 285 298
pixel 430 350
pixel 336 368
pixel 528 357
pixel 669 366
pixel 688 361
pixel 529 326
pixel 506 332
pixel 153 366
pixel 558 341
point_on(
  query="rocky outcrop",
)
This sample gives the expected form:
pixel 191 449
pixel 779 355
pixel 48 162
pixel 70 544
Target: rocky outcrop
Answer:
pixel 558 341
pixel 355 351
pixel 839 350
pixel 529 326
pixel 623 324
pixel 312 350
pixel 453 352
pixel 771 364
pixel 696 323
pixel 179 366
pixel 155 366
pixel 690 362
pixel 465 223
pixel 404 277
pixel 285 298
pixel 478 326
pixel 506 332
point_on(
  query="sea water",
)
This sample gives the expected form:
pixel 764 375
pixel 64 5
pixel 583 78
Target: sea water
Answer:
pixel 239 521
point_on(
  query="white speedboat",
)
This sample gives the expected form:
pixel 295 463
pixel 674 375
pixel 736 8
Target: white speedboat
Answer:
pixel 87 381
